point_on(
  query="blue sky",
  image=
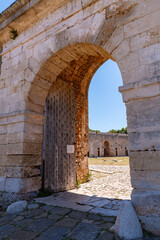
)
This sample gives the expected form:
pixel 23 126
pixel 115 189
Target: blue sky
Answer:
pixel 106 109
pixel 4 4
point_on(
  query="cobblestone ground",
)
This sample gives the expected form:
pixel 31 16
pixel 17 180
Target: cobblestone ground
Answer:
pixel 86 213
pixel 49 222
pixel 56 223
pixel 109 182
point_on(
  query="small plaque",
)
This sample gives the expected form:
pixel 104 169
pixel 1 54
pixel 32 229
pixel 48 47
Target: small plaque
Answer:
pixel 70 148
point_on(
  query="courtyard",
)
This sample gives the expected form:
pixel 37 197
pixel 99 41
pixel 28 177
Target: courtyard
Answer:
pixel 85 213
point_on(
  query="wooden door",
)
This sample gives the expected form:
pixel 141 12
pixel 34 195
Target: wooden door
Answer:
pixel 59 167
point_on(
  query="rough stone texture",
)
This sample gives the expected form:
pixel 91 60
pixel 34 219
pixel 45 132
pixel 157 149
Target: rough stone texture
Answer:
pixel 17 207
pixel 106 235
pixel 69 40
pixel 90 198
pixel 107 144
pixel 127 225
pixel 84 231
pixel 33 206
pixel 75 225
pixel 151 224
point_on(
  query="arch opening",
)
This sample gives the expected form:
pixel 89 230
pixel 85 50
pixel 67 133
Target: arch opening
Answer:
pixel 108 134
pixel 71 68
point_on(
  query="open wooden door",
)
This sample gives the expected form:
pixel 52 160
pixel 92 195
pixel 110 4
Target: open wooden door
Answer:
pixel 59 166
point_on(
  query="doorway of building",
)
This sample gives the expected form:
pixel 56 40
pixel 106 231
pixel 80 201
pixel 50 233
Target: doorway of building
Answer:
pixel 106 149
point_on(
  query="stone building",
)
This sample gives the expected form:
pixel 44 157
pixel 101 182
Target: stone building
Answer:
pixel 49 52
pixel 107 144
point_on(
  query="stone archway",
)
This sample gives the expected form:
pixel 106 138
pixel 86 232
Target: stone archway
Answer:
pixel 70 40
pixel 76 72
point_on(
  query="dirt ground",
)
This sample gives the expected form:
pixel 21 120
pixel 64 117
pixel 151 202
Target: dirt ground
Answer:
pixel 115 161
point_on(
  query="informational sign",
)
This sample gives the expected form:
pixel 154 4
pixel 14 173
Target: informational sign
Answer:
pixel 70 148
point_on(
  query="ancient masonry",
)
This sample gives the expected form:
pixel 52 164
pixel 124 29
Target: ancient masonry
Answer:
pixel 107 144
pixel 50 51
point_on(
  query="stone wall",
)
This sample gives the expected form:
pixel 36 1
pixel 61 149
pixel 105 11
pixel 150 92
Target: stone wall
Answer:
pixel 70 40
pixel 117 144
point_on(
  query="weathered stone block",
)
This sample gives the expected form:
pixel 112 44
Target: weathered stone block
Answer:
pixel 20 172
pixel 16 52
pixel 145 179
pixel 2 184
pixel 143 115
pixel 15 148
pixel 146 203
pixel 13 185
pixel 145 39
pixel 127 225
pixel 22 160
pixel 3 139
pixel 149 54
pixel 128 62
pixel 145 160
pixel 143 24
pixel 121 51
pixel 144 141
pixel 151 224
pixel 115 40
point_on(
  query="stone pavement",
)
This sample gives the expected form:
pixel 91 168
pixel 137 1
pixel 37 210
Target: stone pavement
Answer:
pixel 102 195
pixel 86 213
pixel 43 222
pixel 49 222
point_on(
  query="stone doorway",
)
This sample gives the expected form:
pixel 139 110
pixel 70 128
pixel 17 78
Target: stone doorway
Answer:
pixel 106 149
pixel 59 167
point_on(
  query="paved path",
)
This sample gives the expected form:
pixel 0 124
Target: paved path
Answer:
pixel 55 223
pixel 86 213
pixel 109 186
pixel 109 181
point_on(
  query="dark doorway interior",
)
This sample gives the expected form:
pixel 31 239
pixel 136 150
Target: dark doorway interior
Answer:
pixel 106 149
pixel 126 151
pixel 98 152
pixel 116 152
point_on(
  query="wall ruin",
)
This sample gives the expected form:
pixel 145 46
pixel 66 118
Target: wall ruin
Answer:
pixel 117 144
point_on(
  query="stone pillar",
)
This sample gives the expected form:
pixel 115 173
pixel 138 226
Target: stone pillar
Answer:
pixel 20 131
pixel 142 100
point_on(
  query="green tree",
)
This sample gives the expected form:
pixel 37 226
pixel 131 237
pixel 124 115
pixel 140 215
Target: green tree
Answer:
pixel 123 130
pixel 91 130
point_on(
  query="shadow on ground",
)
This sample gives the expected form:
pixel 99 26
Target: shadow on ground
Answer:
pixel 64 215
